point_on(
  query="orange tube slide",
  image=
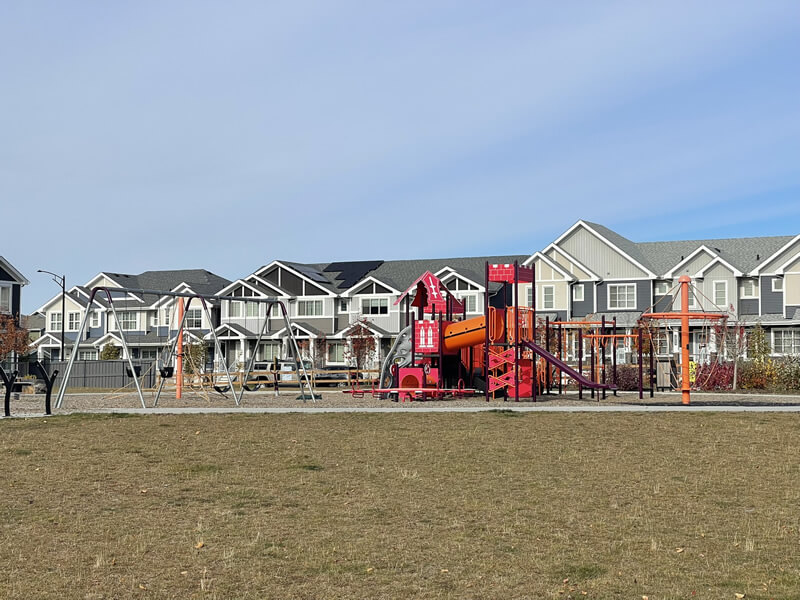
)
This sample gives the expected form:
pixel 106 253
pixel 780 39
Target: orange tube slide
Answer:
pixel 472 332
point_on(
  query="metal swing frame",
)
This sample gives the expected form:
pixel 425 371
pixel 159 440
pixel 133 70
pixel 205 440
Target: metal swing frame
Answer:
pixel 109 291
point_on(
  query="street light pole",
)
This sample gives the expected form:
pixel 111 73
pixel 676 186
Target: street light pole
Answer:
pixel 60 280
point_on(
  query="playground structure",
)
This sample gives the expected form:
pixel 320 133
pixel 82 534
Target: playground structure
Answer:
pixel 171 364
pixel 496 354
pixel 685 317
pixel 10 382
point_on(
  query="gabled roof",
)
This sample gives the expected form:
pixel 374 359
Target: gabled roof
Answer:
pixel 379 331
pixel 352 289
pixel 551 263
pixel 719 261
pixel 743 253
pixel 628 249
pixel 464 274
pixel 310 273
pixel 761 265
pixel 592 275
pixel 9 268
pixel 308 329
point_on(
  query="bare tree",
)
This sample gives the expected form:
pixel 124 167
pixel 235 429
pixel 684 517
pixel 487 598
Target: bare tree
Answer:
pixel 13 337
pixel 732 343
pixel 361 348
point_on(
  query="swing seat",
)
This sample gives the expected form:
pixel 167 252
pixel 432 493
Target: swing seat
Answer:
pixel 167 372
pixel 136 369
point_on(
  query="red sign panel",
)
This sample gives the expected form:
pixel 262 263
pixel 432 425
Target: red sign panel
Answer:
pixel 427 336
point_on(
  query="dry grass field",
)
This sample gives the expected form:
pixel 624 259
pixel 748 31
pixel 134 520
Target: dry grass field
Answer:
pixel 488 505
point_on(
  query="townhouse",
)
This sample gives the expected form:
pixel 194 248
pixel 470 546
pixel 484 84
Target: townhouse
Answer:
pixel 589 272
pixel 11 284
pixel 326 301
pixel 147 320
pixel 753 280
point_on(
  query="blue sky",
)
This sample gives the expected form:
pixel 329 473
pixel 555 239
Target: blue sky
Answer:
pixel 221 135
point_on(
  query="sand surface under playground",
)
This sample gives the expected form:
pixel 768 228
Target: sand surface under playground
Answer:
pixel 27 404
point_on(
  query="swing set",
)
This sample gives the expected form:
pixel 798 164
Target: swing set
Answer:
pixel 172 360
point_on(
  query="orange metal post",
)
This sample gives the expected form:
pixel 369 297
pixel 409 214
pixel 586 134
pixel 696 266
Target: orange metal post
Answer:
pixel 684 281
pixel 179 359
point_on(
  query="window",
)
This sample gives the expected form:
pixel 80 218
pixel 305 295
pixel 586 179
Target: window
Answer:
pixel 148 354
pixel 5 298
pixel 777 284
pixel 548 296
pixel 530 296
pixel 786 341
pixel 343 305
pixel 94 320
pixel 577 292
pixel 375 306
pixel 127 320
pixel 55 321
pixel 87 354
pixel 470 301
pixel 721 294
pixel 749 288
pixel 335 352
pixel 661 289
pixel 194 318
pixel 269 351
pixel 235 309
pixel 309 308
pixel 621 295
pixel 73 321
pixel 252 309
pixel 166 317
pixel 692 297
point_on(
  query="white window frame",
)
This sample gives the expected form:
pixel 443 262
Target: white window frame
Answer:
pixel 87 354
pixel 55 321
pixel 235 309
pixel 469 299
pixel 94 319
pixel 73 320
pixel 618 286
pixel 552 290
pixel 530 296
pixel 339 354
pixel 693 304
pixel 369 304
pixel 779 288
pixel 578 297
pixel 6 294
pixel 268 351
pixel 303 306
pixel 151 352
pixel 251 309
pixel 795 341
pixel 660 289
pixel 126 323
pixel 714 284
pixel 193 317
pixel 754 294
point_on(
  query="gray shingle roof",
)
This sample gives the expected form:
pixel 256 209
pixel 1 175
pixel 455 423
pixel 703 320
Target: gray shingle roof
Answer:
pixel 199 280
pixel 660 257
pixel 743 253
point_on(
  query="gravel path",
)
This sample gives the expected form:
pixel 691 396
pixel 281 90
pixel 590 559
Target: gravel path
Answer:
pixel 30 404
